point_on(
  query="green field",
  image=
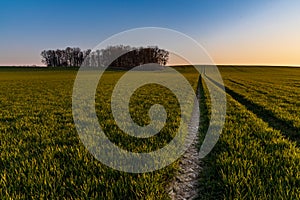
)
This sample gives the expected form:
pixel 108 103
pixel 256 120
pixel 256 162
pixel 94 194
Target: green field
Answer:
pixel 256 157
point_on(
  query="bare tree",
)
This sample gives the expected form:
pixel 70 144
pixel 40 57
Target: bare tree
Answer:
pixel 118 57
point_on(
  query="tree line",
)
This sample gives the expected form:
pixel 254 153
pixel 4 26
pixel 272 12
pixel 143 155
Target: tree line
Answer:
pixel 68 57
pixel 110 56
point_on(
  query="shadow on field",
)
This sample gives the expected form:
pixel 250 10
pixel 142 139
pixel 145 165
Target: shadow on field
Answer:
pixel 210 184
pixel 285 127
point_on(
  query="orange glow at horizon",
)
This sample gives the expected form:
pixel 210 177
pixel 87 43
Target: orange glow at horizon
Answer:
pixel 270 36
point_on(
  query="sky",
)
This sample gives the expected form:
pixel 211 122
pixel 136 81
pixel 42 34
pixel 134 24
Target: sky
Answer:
pixel 256 32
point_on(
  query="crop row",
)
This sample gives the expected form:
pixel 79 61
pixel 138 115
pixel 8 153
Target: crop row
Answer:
pixel 251 160
pixel 275 102
pixel 41 155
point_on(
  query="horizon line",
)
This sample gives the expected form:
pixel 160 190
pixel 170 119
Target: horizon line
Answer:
pixel 185 64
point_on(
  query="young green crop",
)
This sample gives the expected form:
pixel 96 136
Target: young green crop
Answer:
pixel 251 160
pixel 272 96
pixel 276 90
pixel 42 156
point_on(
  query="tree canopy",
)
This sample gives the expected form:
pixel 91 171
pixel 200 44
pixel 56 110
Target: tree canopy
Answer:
pixel 119 57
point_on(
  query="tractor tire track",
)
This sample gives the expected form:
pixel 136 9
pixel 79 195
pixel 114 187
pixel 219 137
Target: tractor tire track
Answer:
pixel 185 184
pixel 285 127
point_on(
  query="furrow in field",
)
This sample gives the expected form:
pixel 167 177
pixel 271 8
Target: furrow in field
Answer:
pixel 251 160
pixel 285 126
pixel 283 103
pixel 274 92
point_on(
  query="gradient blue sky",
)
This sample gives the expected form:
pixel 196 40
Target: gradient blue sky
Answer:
pixel 233 31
